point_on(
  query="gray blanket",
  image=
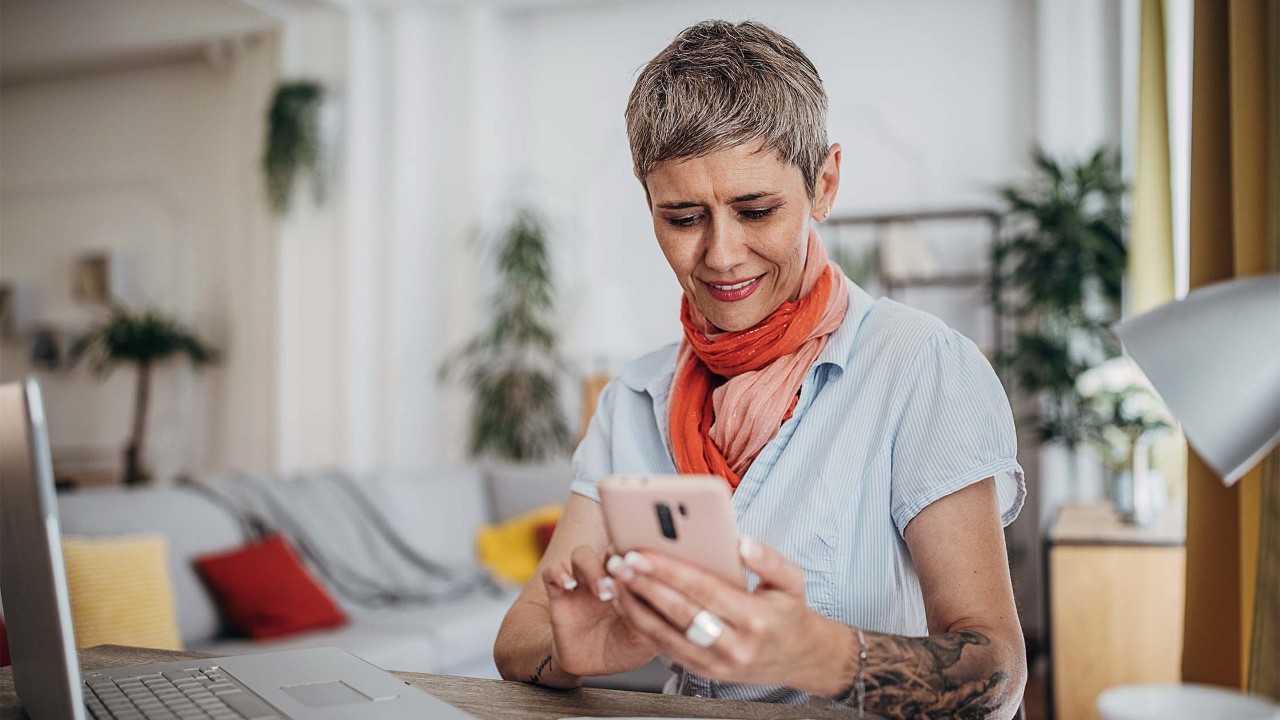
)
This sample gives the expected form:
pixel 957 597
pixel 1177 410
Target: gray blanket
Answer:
pixel 342 535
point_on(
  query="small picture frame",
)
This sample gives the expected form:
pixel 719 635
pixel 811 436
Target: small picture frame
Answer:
pixel 94 279
pixel 8 311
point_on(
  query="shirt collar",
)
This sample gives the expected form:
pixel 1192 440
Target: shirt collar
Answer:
pixel 840 344
pixel 653 373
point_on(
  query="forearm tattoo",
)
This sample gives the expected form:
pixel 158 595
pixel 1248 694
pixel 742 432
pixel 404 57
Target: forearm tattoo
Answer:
pixel 953 675
pixel 537 674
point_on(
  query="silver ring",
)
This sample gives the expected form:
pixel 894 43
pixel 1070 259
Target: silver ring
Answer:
pixel 705 629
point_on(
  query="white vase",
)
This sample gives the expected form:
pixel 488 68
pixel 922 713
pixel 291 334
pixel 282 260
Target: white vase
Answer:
pixel 1138 491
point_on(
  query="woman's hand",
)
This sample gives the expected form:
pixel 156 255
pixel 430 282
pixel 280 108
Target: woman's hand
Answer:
pixel 589 636
pixel 770 636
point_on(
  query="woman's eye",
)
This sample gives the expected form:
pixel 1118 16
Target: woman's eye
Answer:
pixel 685 221
pixel 757 214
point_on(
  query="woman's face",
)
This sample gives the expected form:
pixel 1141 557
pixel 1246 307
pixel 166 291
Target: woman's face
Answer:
pixel 734 226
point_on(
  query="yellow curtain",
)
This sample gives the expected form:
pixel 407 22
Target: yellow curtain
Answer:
pixel 1233 234
pixel 1151 239
pixel 1150 271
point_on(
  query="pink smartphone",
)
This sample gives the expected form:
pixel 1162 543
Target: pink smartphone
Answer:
pixel 687 516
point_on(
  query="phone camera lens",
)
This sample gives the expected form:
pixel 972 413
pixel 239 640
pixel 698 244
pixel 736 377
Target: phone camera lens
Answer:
pixel 666 521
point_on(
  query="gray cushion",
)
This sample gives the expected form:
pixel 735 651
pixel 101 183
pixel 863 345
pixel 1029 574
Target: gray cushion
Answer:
pixel 517 488
pixel 437 512
pixel 192 525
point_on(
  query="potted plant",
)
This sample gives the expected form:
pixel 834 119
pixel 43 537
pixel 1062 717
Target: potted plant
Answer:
pixel 1126 417
pixel 511 366
pixel 1061 269
pixel 144 339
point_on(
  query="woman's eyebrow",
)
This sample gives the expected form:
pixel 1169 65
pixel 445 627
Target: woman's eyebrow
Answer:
pixel 754 196
pixel 741 198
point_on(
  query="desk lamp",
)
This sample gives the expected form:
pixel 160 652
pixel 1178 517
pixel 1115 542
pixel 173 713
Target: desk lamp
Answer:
pixel 1214 357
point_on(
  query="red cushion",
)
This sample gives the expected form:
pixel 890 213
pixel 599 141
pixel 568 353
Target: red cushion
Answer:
pixel 264 591
pixel 4 644
pixel 542 535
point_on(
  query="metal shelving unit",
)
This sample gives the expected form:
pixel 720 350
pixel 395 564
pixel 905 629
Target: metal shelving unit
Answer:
pixel 988 281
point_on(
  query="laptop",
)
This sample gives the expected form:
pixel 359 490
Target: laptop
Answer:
pixel 310 684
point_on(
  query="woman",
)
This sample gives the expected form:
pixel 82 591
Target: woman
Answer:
pixel 870 447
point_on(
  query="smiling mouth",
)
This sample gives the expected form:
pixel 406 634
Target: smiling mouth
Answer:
pixel 733 291
pixel 735 286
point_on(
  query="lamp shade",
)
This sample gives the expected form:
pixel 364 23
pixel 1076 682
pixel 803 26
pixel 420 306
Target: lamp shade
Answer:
pixel 1214 357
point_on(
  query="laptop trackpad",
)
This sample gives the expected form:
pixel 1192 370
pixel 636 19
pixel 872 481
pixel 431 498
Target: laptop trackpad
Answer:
pixel 328 694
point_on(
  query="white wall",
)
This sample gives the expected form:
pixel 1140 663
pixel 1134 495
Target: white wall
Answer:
pixel 376 285
pixel 148 164
pixel 932 101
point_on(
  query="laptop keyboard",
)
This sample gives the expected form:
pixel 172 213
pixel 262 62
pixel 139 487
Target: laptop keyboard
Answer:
pixel 202 693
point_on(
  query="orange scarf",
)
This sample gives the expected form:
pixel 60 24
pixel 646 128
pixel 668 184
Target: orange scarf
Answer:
pixel 733 390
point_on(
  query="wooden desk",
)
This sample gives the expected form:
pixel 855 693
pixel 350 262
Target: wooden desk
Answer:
pixel 486 699
pixel 1115 605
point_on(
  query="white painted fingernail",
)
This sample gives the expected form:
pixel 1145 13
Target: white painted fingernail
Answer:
pixel 748 548
pixel 607 589
pixel 618 568
pixel 637 561
pixel 568 582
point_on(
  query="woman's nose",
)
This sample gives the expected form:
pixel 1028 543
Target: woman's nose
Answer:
pixel 725 247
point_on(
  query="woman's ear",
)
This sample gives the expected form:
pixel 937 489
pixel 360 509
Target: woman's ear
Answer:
pixel 827 183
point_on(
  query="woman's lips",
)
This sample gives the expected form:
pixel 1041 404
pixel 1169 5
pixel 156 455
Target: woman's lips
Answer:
pixel 733 291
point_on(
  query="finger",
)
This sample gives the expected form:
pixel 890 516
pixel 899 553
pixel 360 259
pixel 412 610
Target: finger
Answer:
pixel 588 569
pixel 671 641
pixel 774 569
pixel 557 579
pixel 668 603
pixel 679 612
pixel 704 589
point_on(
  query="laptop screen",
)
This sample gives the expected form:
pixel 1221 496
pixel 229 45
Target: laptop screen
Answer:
pixel 33 582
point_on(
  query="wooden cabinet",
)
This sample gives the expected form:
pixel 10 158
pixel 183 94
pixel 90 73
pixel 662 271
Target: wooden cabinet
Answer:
pixel 1115 605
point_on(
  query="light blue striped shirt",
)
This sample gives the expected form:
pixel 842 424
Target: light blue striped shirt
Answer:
pixel 897 411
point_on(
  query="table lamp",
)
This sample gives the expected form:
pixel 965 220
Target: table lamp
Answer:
pixel 1214 357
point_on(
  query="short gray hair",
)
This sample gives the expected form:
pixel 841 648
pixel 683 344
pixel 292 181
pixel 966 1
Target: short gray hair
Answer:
pixel 719 85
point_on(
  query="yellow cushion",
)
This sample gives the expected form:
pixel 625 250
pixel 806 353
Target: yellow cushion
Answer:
pixel 510 549
pixel 120 591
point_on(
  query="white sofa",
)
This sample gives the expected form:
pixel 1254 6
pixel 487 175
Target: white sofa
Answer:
pixel 437 513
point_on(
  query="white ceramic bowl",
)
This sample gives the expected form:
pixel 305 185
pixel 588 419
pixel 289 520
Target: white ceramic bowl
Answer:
pixel 1182 702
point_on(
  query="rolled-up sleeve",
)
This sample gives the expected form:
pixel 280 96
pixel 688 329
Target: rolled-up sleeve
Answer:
pixel 594 458
pixel 955 429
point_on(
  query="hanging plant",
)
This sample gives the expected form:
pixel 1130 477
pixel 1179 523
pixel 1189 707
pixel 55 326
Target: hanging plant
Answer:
pixel 511 367
pixel 293 142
